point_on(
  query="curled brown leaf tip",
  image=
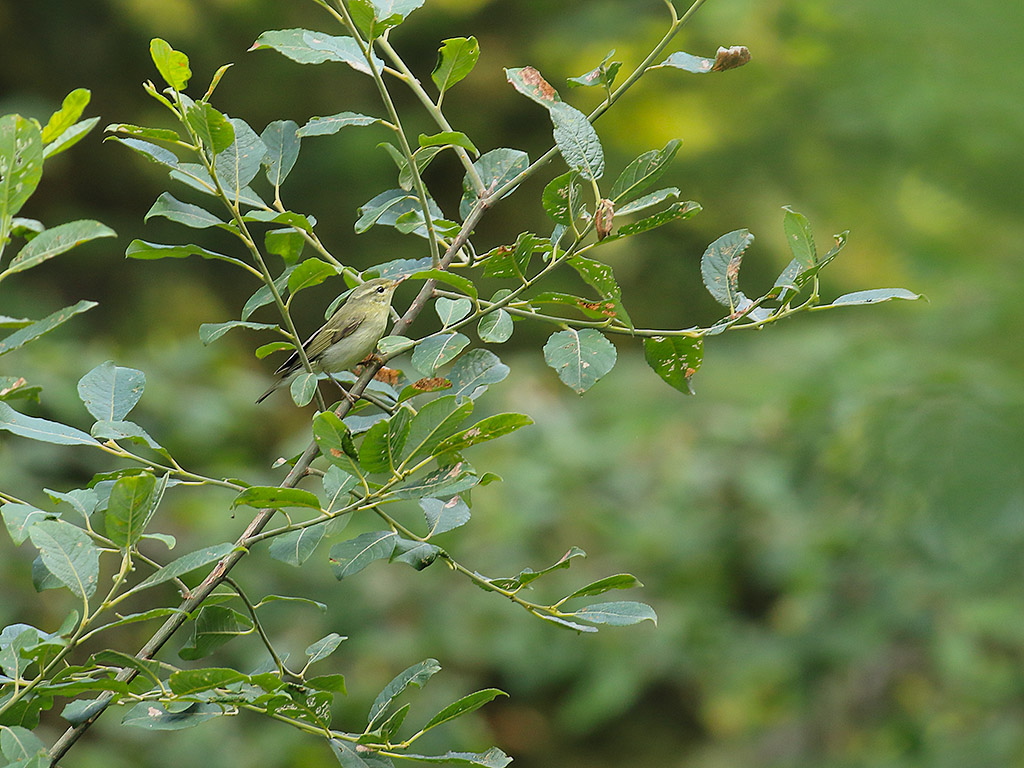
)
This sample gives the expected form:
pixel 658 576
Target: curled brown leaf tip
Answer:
pixel 730 58
pixel 432 384
pixel 603 218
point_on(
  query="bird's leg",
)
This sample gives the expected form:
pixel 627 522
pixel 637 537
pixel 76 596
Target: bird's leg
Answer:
pixel 348 395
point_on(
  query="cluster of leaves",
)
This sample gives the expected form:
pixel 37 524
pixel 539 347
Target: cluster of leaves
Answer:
pixel 24 146
pixel 394 447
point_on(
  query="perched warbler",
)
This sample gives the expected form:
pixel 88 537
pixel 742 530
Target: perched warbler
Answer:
pixel 348 336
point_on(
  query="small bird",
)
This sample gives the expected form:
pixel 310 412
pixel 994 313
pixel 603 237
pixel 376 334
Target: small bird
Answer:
pixel 348 336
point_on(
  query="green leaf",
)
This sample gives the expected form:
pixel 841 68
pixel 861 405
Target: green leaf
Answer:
pixel 437 350
pixel 71 109
pixel 41 429
pixel 580 357
pixel 308 47
pixel 450 311
pixel 647 201
pixel 134 618
pixel 151 152
pixel 448 139
pixel 35 330
pixel 324 647
pixel 416 554
pixel 562 198
pixel 529 82
pixel 455 59
pixel 211 126
pixel 57 240
pixel 643 172
pixel 528 575
pixel 495 169
pixel 675 358
pixel 795 276
pixel 375 17
pixel 140 249
pixel 474 372
pixel 19 743
pixel 70 137
pixel 463 706
pixel 350 557
pixel 215 626
pixel 195 176
pixel 237 165
pixel 20 517
pixel 183 213
pixel 109 392
pixel 577 141
pixel 155 716
pixel 188 682
pixel 381 449
pixel 346 753
pixel 274 346
pixel 490 428
pixel 416 675
pixel 444 516
pixel 390 346
pixel 215 80
pixel 603 74
pixel 495 327
pixel 444 482
pixel 492 758
pixel 396 208
pixel 800 237
pixel 333 683
pixel 282 142
pixel 303 388
pixel 874 296
pixel 618 581
pixel 435 421
pixel 464 284
pixel 681 210
pixel 618 614
pixel 162 134
pixel 273 497
pixel 185 564
pixel 286 243
pixel 210 332
pixel 720 267
pixel 21 165
pixel 83 501
pixel 309 273
pixel 69 554
pixel 133 500
pixel 296 547
pixel 334 438
pixel 171 64
pixel 515 262
pixel 331 124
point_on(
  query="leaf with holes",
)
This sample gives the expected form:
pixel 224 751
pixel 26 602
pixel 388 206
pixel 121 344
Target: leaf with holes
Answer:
pixel 675 358
pixel 580 358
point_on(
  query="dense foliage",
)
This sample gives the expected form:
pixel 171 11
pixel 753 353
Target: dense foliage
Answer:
pixel 755 581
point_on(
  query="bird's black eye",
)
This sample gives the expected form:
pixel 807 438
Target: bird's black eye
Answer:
pixel 380 289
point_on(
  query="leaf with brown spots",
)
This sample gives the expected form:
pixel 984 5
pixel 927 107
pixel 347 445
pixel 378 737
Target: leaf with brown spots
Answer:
pixel 531 83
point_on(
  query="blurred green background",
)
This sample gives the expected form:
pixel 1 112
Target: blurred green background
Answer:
pixel 831 531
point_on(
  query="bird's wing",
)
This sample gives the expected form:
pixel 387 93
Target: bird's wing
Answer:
pixel 318 343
